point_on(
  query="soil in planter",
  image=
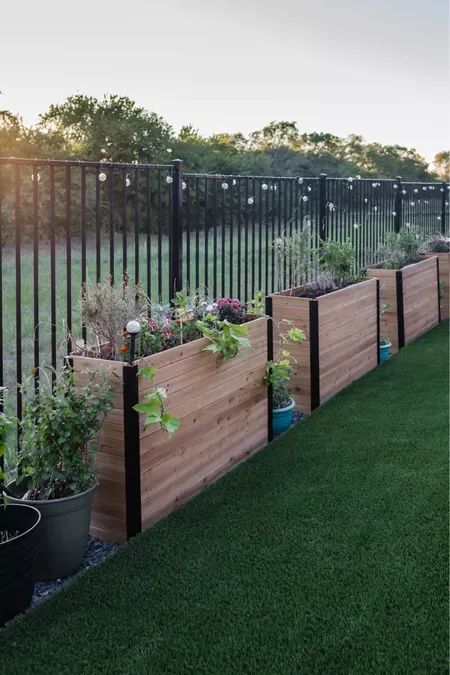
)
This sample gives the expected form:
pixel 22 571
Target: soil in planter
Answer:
pixel 312 291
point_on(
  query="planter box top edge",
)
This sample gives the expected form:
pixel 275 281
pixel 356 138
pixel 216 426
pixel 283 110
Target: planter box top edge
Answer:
pixel 346 289
pixel 199 343
pixel 424 261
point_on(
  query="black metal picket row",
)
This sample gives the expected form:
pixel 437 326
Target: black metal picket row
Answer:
pixel 64 223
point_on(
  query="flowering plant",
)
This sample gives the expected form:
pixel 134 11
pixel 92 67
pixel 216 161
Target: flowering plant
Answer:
pixel 231 309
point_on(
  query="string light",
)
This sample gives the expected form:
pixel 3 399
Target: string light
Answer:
pixel 358 177
pixel 234 181
pixel 127 181
pixel 416 190
pixel 412 203
pixel 374 185
pixel 224 186
pixel 350 180
pixel 264 186
pixel 355 226
pixel 36 176
pixel 309 188
pixel 304 198
pixel 102 177
pixel 183 185
pixel 403 192
pixel 250 200
pixel 300 181
pixel 394 213
pixel 169 180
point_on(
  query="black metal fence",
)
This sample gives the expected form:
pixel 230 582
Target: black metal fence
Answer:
pixel 63 223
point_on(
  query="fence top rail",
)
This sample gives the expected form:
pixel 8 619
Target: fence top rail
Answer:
pixel 81 162
pixel 222 176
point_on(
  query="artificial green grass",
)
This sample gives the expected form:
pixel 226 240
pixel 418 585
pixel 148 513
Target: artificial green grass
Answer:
pixel 325 553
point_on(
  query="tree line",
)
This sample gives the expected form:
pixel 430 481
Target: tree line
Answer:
pixel 114 128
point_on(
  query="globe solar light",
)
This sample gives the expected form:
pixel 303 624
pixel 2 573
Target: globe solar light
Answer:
pixel 133 327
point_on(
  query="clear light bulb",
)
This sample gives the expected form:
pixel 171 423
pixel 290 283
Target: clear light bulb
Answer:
pixel 395 186
pixel 264 186
pixel 224 186
pixel 102 177
pixel 403 192
pixel 183 185
pixel 169 180
pixel 412 203
pixel 355 226
pixel 300 181
pixel 250 200
pixel 304 198
pixel 36 177
pixel 127 181
pixel 394 213
pixel 374 185
pixel 234 181
pixel 350 180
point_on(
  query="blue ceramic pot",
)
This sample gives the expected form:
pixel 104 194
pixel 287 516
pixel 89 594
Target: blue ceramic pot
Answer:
pixel 385 351
pixel 282 418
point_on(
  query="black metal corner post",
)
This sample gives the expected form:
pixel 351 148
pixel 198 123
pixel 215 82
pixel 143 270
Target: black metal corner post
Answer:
pixel 322 210
pixel 398 205
pixel 378 321
pixel 175 231
pixel 400 309
pixel 132 451
pixel 438 288
pixel 444 199
pixel 314 353
pixel 269 358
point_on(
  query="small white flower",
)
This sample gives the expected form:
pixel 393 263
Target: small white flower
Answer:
pixel 161 392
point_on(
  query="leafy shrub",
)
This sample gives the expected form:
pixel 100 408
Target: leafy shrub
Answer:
pixel 295 253
pixel 153 407
pixel 57 431
pixel 337 258
pixel 401 249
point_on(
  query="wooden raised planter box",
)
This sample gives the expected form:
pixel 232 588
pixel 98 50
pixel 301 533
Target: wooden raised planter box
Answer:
pixel 341 343
pixel 412 294
pixel 224 417
pixel 444 273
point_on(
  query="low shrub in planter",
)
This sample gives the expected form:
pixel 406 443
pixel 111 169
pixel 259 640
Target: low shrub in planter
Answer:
pixel 439 246
pixel 55 470
pixel 338 313
pixel 410 288
pixel 191 372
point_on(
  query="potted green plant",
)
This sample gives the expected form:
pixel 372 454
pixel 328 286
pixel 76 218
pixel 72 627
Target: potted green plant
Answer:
pixel 55 468
pixel 18 543
pixel 385 344
pixel 278 373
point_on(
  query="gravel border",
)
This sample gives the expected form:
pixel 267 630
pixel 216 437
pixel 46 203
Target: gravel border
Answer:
pixel 96 552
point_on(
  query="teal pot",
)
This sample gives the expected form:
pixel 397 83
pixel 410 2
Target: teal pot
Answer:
pixel 64 531
pixel 18 558
pixel 385 351
pixel 282 418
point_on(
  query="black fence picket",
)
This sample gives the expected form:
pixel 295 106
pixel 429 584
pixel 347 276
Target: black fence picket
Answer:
pixel 65 223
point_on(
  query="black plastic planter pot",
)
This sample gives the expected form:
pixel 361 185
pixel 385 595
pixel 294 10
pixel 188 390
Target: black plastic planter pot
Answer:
pixel 18 558
pixel 64 531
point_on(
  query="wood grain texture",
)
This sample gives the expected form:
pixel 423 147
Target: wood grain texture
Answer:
pixel 347 338
pixel 222 406
pixel 420 299
pixel 444 276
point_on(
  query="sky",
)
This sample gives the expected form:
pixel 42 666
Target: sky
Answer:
pixel 377 68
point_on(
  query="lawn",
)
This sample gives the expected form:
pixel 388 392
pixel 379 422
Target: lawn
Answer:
pixel 325 553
